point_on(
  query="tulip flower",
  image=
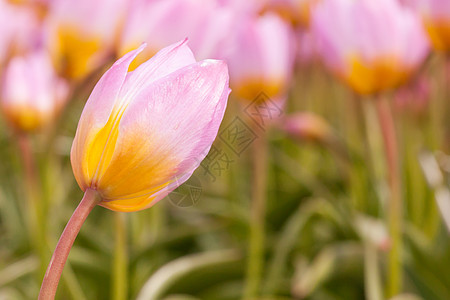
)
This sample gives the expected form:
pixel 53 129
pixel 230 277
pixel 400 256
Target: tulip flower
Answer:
pixel 83 33
pixel 373 46
pixel 436 15
pixel 163 22
pixel 19 31
pixel 142 134
pixel 262 57
pixel 32 94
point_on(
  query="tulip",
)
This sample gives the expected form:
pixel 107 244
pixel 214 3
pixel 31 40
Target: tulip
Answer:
pixel 19 31
pixel 307 126
pixel 373 46
pixel 206 23
pixel 142 134
pixel 162 22
pixel 262 57
pixel 436 15
pixel 32 94
pixel 83 33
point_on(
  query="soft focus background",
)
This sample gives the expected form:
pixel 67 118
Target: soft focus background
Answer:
pixel 296 199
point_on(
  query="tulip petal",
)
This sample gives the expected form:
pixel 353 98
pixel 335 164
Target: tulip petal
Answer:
pixel 94 117
pixel 164 134
pixel 163 63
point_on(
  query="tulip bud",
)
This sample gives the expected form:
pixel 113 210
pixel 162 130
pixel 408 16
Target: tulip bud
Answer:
pixel 307 126
pixel 262 57
pixel 32 94
pixel 83 34
pixel 143 133
pixel 373 46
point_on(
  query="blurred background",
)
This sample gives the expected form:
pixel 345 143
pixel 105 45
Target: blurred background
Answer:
pixel 329 178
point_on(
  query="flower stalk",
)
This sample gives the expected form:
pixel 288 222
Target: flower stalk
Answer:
pixel 59 258
pixel 395 203
pixel 257 219
pixel 35 206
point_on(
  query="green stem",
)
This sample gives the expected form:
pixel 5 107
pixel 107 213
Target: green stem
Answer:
pixel 395 204
pixel 59 258
pixel 257 216
pixel 120 284
pixel 35 210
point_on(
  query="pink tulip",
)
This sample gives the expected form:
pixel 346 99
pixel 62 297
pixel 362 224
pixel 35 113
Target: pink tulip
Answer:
pixel 436 15
pixel 307 126
pixel 262 57
pixel 143 133
pixel 32 94
pixel 83 33
pixel 163 22
pixel 19 30
pixel 372 45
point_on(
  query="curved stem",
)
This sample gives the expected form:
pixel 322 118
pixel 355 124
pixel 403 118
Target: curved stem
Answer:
pixel 395 205
pixel 257 216
pixel 55 268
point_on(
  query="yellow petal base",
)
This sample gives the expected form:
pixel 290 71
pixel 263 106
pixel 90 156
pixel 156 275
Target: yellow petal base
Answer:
pixel 439 33
pixel 382 75
pixel 74 52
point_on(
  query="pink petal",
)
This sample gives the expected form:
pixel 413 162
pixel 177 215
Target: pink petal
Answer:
pixel 166 131
pixel 96 113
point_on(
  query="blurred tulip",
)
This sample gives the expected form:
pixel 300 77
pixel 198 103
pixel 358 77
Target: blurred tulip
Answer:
pixel 262 57
pixel 307 126
pixel 143 133
pixel 83 33
pixel 19 30
pixel 32 94
pixel 372 45
pixel 436 15
pixel 163 22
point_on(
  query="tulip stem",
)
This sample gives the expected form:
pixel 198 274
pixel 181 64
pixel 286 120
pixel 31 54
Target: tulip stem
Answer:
pixel 395 209
pixel 257 216
pixel 59 258
pixel 119 284
pixel 35 206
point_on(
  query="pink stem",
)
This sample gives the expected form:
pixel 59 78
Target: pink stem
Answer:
pixel 395 204
pixel 59 258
